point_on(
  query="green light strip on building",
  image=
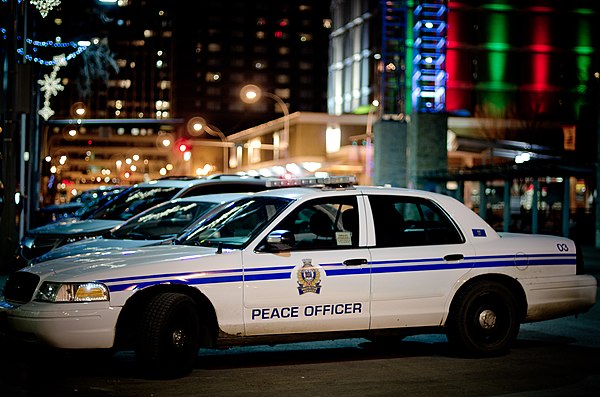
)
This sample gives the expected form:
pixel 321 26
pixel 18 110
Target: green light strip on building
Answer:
pixel 497 45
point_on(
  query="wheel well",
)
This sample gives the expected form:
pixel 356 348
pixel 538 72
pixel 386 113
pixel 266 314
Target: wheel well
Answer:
pixel 513 286
pixel 130 316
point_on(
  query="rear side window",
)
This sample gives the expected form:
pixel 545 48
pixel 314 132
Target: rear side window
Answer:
pixel 411 221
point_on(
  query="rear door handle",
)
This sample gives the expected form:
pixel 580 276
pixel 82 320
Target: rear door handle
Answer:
pixel 355 262
pixel 454 257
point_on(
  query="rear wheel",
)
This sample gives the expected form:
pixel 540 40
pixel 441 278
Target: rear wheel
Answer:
pixel 168 335
pixel 484 319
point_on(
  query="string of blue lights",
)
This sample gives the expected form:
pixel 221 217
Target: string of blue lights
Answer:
pixel 79 48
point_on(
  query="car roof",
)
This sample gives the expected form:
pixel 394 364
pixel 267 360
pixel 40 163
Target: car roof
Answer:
pixel 183 182
pixel 213 198
pixel 320 191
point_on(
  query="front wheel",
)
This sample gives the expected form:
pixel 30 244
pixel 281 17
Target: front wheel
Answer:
pixel 483 319
pixel 168 335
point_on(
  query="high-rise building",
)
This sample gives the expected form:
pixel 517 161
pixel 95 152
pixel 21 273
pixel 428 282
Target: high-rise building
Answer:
pixel 222 46
pixel 496 97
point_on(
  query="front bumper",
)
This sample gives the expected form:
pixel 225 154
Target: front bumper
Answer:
pixel 65 325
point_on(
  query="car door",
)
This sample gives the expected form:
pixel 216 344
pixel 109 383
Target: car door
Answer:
pixel 322 283
pixel 417 257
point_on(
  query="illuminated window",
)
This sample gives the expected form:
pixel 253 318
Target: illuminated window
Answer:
pixel 282 79
pixel 214 47
pixel 333 139
pixel 305 66
pixel 283 93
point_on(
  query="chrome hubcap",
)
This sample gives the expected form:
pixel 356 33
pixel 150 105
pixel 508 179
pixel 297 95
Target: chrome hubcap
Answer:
pixel 178 338
pixel 487 319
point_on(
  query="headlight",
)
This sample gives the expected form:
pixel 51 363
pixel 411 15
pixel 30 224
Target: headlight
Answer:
pixel 72 292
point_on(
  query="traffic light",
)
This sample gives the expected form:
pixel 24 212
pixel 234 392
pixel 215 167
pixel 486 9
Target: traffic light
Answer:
pixel 183 145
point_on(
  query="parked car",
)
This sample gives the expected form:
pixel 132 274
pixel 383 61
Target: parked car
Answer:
pixel 127 204
pixel 322 262
pixel 86 202
pixel 161 224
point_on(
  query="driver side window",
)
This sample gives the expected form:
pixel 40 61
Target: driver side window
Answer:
pixel 330 223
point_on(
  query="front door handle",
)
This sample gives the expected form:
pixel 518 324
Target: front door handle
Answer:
pixel 355 262
pixel 454 257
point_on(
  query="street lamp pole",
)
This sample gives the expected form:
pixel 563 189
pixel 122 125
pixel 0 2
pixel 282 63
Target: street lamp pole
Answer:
pixel 252 94
pixel 197 124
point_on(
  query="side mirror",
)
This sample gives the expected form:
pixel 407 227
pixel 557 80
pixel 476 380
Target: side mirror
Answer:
pixel 279 240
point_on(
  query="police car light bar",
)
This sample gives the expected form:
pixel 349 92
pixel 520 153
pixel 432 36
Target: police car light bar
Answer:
pixel 330 181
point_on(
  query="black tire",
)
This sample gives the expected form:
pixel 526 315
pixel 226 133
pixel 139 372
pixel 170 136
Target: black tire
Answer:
pixel 483 320
pixel 168 336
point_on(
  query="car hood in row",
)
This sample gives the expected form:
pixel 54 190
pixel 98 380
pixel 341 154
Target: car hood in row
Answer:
pixel 75 227
pixel 98 246
pixel 126 263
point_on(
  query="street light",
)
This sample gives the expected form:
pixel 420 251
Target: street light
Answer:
pixel 196 125
pixel 252 93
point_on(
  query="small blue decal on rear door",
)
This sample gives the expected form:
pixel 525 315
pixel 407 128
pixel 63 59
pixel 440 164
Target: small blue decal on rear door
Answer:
pixel 479 233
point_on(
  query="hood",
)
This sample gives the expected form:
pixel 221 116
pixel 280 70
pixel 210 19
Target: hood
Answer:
pixel 75 227
pixel 90 247
pixel 113 264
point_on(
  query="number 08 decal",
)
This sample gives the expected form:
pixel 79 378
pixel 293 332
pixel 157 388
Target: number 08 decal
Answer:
pixel 562 247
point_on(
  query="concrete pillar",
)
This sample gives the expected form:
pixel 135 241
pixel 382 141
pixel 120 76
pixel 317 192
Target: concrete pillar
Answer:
pixel 482 201
pixel 427 148
pixel 389 153
pixel 534 205
pixel 566 207
pixel 506 211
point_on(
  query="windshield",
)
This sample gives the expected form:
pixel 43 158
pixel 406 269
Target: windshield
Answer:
pixel 133 201
pixel 162 222
pixel 238 223
pixel 91 206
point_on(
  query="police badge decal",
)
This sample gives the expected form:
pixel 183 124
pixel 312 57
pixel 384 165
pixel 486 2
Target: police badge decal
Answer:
pixel 309 278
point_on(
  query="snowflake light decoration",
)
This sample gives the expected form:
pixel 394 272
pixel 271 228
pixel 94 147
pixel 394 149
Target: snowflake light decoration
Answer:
pixel 51 85
pixel 44 6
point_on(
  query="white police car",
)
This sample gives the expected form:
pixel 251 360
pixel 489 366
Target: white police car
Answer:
pixel 161 224
pixel 305 263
